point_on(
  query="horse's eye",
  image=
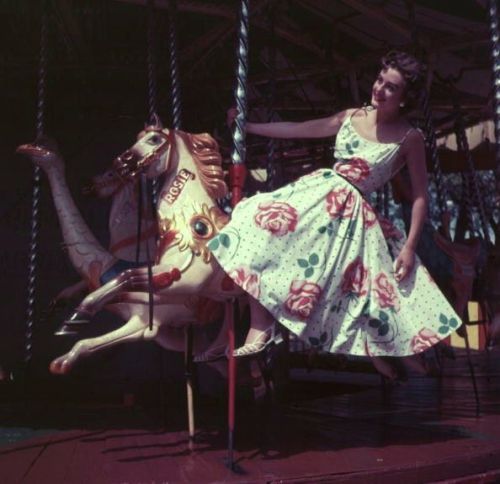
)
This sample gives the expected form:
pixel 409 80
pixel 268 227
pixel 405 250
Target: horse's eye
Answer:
pixel 154 140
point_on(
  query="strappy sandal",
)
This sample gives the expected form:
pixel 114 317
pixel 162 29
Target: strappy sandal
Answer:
pixel 212 354
pixel 263 341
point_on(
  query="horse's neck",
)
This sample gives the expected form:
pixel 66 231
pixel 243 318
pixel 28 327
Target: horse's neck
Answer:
pixel 182 187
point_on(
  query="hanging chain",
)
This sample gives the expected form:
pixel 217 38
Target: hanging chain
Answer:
pixel 495 54
pixel 238 154
pixel 35 209
pixel 174 68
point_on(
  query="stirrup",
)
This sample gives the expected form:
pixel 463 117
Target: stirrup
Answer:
pixel 257 347
pixel 212 354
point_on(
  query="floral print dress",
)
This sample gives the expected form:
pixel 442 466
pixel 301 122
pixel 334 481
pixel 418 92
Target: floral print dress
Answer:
pixel 320 259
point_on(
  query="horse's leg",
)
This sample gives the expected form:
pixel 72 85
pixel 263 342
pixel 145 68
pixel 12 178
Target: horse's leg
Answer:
pixel 134 330
pixel 193 281
pixel 87 255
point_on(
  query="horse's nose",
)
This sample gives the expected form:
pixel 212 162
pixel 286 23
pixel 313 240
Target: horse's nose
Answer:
pixel 128 156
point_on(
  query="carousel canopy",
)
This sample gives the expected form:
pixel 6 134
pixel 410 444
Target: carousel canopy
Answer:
pixel 321 54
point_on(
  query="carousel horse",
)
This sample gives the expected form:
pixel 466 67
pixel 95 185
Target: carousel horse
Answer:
pixel 188 218
pixel 95 264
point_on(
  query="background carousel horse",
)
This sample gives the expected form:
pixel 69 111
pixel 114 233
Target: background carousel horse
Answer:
pixel 188 218
pixel 92 261
pixel 88 256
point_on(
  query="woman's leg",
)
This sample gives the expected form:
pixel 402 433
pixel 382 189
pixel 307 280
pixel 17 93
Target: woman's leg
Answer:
pixel 260 332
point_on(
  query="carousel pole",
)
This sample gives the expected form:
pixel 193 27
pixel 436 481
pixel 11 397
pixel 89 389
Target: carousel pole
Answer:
pixel 152 116
pixel 495 54
pixel 236 180
pixel 145 198
pixel 176 124
pixel 33 247
pixel 271 144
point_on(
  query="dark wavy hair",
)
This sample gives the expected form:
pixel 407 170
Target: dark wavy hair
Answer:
pixel 414 73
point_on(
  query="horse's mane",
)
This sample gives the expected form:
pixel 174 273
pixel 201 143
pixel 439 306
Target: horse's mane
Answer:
pixel 208 160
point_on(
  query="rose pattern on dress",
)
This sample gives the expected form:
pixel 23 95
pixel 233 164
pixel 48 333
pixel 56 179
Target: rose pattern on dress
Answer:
pixel 279 218
pixel 247 280
pixel 340 203
pixel 355 279
pixel 356 170
pixel 302 298
pixel 369 215
pixel 336 222
pixel 385 292
pixel 423 340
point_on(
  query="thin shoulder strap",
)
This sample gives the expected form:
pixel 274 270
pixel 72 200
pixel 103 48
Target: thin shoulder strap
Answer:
pixel 408 132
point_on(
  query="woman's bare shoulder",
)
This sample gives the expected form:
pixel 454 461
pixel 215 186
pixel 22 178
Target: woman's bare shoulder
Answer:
pixel 358 112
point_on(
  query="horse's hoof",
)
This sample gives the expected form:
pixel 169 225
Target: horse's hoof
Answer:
pixel 79 317
pixel 67 330
pixel 74 324
pixel 59 367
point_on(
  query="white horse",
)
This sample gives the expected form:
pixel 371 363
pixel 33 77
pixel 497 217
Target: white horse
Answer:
pixel 94 263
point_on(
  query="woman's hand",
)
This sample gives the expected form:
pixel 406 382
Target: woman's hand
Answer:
pixel 404 263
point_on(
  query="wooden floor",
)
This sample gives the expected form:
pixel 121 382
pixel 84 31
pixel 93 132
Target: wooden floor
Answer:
pixel 331 427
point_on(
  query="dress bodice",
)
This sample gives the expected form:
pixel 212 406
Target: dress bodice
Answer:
pixel 366 164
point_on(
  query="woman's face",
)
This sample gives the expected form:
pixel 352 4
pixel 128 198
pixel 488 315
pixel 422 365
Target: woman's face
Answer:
pixel 388 90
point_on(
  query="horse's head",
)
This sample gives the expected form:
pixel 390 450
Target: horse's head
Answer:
pixel 151 154
pixel 148 155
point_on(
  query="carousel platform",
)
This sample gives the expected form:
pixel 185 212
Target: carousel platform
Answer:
pixel 329 426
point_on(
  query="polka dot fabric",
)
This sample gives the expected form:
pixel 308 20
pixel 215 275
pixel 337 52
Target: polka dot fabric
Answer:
pixel 320 259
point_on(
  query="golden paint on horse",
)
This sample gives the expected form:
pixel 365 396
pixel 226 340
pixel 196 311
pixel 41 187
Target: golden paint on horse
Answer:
pixel 184 226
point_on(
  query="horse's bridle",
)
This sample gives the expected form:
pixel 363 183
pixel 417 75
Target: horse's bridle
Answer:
pixel 127 169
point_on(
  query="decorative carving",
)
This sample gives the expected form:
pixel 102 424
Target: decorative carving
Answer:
pixel 193 231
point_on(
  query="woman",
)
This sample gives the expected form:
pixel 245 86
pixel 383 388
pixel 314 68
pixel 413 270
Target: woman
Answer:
pixel 316 257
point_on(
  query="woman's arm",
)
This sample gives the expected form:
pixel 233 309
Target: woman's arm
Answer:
pixel 415 159
pixel 315 128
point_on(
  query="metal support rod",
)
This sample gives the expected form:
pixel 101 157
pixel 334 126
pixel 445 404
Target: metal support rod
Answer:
pixel 152 116
pixel 238 156
pixel 495 55
pixel 175 90
pixel 152 96
pixel 33 247
pixel 271 143
pixel 152 89
pixel 174 67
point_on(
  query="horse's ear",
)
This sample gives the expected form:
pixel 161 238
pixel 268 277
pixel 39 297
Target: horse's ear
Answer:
pixel 154 123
